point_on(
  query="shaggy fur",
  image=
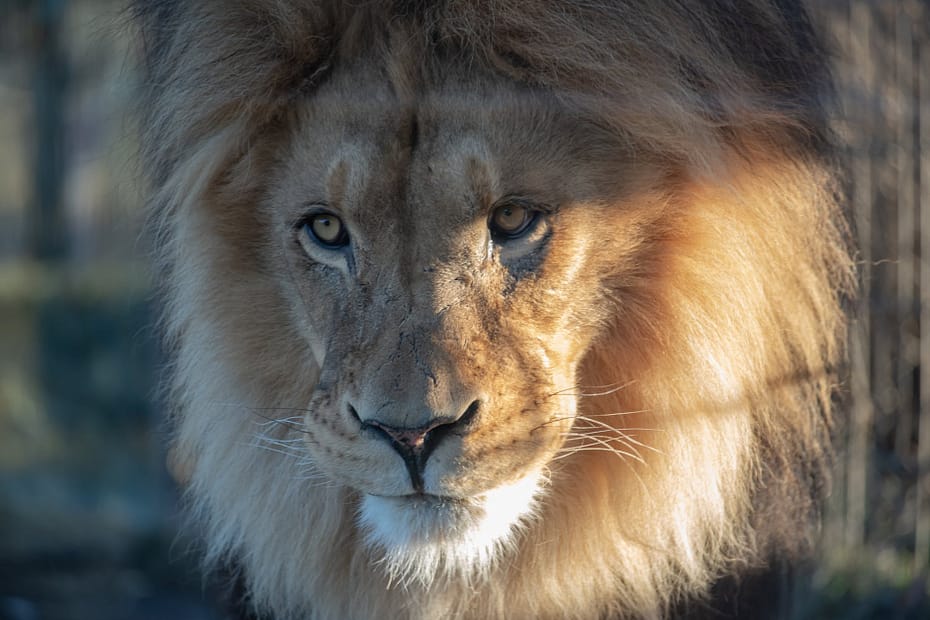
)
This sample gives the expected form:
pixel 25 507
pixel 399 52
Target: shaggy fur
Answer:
pixel 651 367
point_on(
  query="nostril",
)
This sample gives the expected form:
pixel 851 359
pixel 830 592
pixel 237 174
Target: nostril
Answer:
pixel 447 426
pixel 469 414
pixel 354 414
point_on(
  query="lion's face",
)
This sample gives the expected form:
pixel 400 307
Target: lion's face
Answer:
pixel 443 265
pixel 533 307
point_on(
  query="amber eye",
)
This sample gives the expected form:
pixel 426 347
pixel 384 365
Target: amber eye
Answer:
pixel 511 221
pixel 327 229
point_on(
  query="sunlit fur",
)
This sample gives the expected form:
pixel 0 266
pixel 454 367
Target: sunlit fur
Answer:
pixel 667 393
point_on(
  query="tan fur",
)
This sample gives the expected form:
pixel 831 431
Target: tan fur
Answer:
pixel 666 364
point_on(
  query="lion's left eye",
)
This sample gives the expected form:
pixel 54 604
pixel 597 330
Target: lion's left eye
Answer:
pixel 327 230
pixel 511 221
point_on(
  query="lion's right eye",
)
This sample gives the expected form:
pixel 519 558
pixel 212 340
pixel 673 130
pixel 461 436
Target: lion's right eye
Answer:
pixel 511 221
pixel 327 230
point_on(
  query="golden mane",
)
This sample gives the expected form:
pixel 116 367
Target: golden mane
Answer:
pixel 726 341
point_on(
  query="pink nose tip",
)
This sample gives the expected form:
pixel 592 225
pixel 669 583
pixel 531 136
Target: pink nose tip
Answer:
pixel 412 438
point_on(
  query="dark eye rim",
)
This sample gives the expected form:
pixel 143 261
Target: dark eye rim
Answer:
pixel 535 212
pixel 305 225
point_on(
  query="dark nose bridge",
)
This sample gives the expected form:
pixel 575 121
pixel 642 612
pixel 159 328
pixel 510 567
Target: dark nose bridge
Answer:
pixel 416 348
pixel 415 382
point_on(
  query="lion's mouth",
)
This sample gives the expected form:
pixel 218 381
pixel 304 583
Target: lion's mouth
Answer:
pixel 414 533
pixel 422 497
pixel 419 518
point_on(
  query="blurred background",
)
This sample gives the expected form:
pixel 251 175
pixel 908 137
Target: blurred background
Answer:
pixel 89 525
pixel 88 517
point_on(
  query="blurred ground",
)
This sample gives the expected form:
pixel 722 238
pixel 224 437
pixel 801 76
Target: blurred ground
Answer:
pixel 89 525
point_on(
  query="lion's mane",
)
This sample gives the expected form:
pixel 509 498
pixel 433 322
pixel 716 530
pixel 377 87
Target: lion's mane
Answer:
pixel 728 340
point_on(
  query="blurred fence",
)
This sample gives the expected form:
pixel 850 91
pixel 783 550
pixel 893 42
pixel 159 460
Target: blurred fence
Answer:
pixel 882 496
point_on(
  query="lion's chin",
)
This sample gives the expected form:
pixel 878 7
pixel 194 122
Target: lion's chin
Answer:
pixel 420 538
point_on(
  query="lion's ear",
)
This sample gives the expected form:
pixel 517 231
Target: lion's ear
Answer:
pixel 180 465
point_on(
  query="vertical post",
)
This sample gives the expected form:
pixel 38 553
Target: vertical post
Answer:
pixel 836 20
pixel 858 439
pixel 905 108
pixel 47 224
pixel 922 535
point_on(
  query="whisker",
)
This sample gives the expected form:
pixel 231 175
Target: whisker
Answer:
pixel 316 479
pixel 620 454
pixel 285 439
pixel 298 409
pixel 552 421
pixel 612 414
pixel 616 451
pixel 238 405
pixel 598 423
pixel 285 422
pixel 296 420
pixel 307 470
pixel 622 433
pixel 609 388
pixel 283 445
pixel 588 417
pixel 606 392
pixel 619 434
pixel 258 412
pixel 628 439
pixel 606 443
pixel 269 448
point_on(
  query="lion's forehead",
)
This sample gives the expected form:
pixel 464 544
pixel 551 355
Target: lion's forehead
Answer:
pixel 447 153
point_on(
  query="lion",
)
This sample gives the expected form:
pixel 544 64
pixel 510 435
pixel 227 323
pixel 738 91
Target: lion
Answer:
pixel 495 309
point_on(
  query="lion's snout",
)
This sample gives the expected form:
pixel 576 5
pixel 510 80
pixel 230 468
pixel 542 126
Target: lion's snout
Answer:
pixel 415 445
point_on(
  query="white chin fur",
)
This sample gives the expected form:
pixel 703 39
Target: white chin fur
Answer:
pixel 422 539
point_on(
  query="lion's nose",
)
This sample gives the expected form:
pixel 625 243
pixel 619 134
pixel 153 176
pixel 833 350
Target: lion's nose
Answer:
pixel 409 439
pixel 416 444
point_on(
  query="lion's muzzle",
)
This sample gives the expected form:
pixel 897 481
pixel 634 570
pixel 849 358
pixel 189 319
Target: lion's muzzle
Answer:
pixel 415 445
